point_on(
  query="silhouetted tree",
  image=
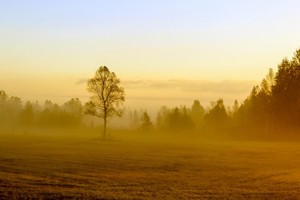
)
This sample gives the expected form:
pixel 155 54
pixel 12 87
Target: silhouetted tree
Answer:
pixel 27 115
pixel 268 82
pixel 185 119
pixel 146 123
pixel 235 107
pixel 47 117
pixel 13 109
pixel 74 111
pixel 3 98
pixel 175 123
pixel 10 109
pixel 106 95
pixel 275 105
pixel 216 118
pixel 250 114
pixel 197 113
pixel 176 119
pixel 163 118
pixel 286 94
pixel 3 101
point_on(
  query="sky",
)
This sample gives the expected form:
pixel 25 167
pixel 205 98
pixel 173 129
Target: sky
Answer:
pixel 164 52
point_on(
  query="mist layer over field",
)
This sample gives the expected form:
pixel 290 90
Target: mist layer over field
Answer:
pixel 247 150
pixel 77 164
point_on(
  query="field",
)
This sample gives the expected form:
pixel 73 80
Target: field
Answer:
pixel 138 166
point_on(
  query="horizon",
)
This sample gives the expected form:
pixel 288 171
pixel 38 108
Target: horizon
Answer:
pixel 54 45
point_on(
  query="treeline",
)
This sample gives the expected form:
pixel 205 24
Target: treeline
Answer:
pixel 273 107
pixel 183 118
pixel 13 113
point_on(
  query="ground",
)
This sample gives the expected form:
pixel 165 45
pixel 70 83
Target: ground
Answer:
pixel 82 166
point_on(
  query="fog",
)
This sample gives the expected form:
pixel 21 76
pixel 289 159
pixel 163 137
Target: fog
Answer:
pixel 167 144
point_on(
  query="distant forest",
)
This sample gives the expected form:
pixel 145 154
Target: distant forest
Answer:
pixel 272 108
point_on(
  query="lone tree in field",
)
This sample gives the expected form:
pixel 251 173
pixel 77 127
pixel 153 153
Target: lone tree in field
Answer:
pixel 106 95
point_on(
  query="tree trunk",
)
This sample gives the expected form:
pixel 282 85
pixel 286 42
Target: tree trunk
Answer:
pixel 104 127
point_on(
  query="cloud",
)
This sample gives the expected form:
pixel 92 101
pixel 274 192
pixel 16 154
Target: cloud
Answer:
pixel 182 92
pixel 81 81
pixel 191 86
pixel 150 92
pixel 186 86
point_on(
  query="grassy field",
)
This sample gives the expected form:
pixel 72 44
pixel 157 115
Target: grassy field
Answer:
pixel 81 166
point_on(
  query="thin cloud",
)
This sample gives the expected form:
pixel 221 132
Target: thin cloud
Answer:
pixel 192 86
pixel 81 81
pixel 146 92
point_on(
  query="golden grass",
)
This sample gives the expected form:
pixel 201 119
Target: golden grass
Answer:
pixel 79 165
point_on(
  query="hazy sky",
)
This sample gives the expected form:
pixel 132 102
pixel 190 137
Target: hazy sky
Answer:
pixel 48 48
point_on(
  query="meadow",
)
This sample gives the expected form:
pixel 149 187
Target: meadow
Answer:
pixel 79 165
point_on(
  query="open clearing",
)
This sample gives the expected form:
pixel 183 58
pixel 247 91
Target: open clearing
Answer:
pixel 80 166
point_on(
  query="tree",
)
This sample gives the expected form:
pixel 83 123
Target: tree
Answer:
pixel 197 113
pixel 235 107
pixel 13 109
pixel 73 110
pixel 268 82
pixel 175 119
pixel 27 114
pixel 106 95
pixel 163 118
pixel 179 119
pixel 10 109
pixel 146 123
pixel 286 94
pixel 3 101
pixel 217 117
pixel 3 98
pixel 275 105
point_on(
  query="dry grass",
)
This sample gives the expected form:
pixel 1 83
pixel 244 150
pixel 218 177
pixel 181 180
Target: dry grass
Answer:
pixel 80 166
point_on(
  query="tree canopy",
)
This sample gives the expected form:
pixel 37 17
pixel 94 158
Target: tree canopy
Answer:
pixel 106 95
